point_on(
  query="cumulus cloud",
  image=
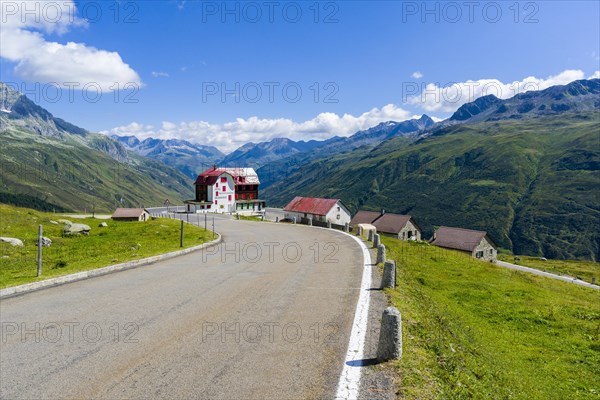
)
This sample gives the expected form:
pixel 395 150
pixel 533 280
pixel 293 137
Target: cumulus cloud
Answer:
pixel 417 75
pixel 595 75
pixel 229 136
pixel 73 65
pixel 436 97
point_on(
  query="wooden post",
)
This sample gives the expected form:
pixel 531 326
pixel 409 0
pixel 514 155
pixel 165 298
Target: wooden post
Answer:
pixel 39 270
pixel 181 235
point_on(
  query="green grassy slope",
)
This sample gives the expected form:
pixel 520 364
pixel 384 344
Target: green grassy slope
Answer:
pixel 474 330
pixel 117 243
pixel 531 184
pixel 67 174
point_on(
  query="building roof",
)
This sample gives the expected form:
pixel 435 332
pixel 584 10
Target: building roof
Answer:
pixel 311 205
pixel 458 238
pixel 128 212
pixel 247 176
pixel 391 223
pixel 243 175
pixel 210 176
pixel 364 217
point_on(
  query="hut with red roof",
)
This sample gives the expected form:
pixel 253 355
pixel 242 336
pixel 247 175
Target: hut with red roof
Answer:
pixel 317 210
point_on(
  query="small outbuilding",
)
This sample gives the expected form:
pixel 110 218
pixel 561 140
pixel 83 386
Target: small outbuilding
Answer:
pixel 399 226
pixel 365 228
pixel 402 227
pixel 476 243
pixel 131 214
pixel 318 210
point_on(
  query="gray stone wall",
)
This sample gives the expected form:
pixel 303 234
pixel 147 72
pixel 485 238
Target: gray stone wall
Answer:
pixel 409 227
pixel 485 250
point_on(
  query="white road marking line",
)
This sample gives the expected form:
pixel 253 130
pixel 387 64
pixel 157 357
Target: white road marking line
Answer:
pixel 349 383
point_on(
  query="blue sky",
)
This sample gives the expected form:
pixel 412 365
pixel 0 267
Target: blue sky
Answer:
pixel 369 61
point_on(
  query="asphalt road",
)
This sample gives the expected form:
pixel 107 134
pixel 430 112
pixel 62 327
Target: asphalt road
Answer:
pixel 547 274
pixel 226 323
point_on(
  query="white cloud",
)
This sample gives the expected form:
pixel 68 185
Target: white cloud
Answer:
pixel 66 65
pixel 229 136
pixel 595 75
pixel 160 74
pixel 436 97
pixel 417 75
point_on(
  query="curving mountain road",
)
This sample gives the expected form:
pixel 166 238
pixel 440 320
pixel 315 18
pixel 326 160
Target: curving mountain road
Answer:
pixel 265 315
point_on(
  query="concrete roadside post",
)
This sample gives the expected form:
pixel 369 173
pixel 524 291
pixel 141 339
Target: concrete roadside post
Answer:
pixel 277 219
pixel 390 335
pixel 370 235
pixel 376 240
pixel 328 224
pixel 389 275
pixel 346 227
pixel 310 222
pixel 381 253
pixel 294 219
pixel 359 231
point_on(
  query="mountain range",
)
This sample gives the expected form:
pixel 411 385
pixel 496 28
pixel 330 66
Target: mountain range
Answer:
pixel 525 169
pixel 187 157
pixel 191 159
pixel 528 176
pixel 50 164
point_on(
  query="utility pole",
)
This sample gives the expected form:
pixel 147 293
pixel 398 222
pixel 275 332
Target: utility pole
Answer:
pixel 205 218
pixel 213 227
pixel 40 232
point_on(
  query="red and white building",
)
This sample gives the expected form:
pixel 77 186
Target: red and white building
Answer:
pixel 226 190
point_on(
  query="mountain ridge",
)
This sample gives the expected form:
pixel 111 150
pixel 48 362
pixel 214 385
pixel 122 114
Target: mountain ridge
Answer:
pixel 49 163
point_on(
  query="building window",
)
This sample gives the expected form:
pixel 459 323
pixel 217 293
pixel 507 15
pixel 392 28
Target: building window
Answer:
pixel 217 194
pixel 229 197
pixel 208 206
pixel 237 196
pixel 479 254
pixel 216 202
pixel 338 216
pixel 491 252
pixel 223 179
pixel 243 196
pixel 251 195
pixel 410 233
pixel 339 209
